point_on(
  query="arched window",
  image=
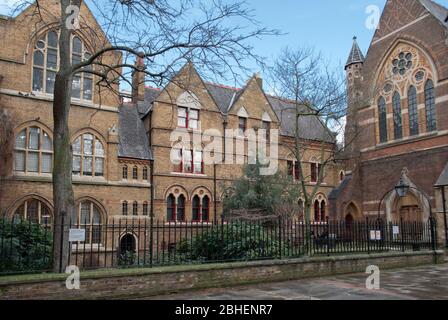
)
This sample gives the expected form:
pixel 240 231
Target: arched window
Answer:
pixel 323 209
pixel 135 173
pixel 46 64
pixel 316 211
pixel 145 208
pixel 124 208
pixel 145 173
pixel 205 209
pixel 396 106
pixel 135 208
pixel 33 151
pixel 89 218
pixel 181 208
pixel 430 106
pixel 413 111
pixel 34 211
pixel 196 208
pixel 171 208
pixel 125 172
pixel 382 119
pixel 88 156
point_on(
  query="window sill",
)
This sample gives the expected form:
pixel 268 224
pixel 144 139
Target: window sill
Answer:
pixel 407 139
pixel 48 96
pixel 77 178
pixel 189 174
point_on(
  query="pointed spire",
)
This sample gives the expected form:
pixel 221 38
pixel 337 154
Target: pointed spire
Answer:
pixel 356 55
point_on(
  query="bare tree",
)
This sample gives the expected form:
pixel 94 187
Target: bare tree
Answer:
pixel 164 34
pixel 304 79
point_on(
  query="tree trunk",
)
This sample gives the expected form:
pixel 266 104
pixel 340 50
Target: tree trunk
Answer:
pixel 64 206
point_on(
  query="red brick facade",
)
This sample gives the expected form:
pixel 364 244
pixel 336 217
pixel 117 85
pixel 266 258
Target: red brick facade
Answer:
pixel 408 29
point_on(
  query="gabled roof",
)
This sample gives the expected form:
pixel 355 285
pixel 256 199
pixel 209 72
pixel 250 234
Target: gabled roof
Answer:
pixel 224 96
pixel 310 126
pixel 134 142
pixel 356 55
pixel 145 106
pixel 438 11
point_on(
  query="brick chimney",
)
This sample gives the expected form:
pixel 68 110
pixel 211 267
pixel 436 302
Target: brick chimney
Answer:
pixel 138 81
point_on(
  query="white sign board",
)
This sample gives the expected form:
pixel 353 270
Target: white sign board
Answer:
pixel 395 230
pixel 378 235
pixel 76 235
pixel 375 235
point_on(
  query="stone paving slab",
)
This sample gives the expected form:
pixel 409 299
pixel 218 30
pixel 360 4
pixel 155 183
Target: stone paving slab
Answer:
pixel 429 282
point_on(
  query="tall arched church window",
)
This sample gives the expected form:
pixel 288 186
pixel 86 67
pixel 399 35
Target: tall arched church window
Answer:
pixel 46 64
pixel 33 151
pixel 382 119
pixel 413 111
pixel 430 106
pixel 398 126
pixel 88 156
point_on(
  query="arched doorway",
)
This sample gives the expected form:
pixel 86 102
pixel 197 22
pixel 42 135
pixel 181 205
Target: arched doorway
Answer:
pixel 407 209
pixel 127 255
pixel 351 212
pixel 127 243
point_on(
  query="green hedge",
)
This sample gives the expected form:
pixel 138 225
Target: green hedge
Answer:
pixel 24 247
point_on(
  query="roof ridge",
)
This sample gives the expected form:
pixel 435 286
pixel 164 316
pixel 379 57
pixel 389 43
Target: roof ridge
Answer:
pixel 223 86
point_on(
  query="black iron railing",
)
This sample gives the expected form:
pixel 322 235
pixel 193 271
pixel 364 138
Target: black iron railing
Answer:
pixel 127 241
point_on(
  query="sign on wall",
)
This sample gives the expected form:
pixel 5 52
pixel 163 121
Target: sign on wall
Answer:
pixel 77 235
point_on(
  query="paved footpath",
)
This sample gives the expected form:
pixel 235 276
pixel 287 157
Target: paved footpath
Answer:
pixel 429 282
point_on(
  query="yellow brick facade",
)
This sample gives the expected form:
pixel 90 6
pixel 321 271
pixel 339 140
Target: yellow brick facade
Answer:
pixel 101 118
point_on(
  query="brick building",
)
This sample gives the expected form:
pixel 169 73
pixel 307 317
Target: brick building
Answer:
pixel 115 144
pixel 397 124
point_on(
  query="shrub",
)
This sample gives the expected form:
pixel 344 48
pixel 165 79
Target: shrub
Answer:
pixel 24 246
pixel 236 241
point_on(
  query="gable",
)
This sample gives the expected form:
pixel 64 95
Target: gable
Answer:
pixel 254 100
pixel 400 13
pixel 187 87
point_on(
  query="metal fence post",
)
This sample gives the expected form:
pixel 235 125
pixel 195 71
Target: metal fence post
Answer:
pixel 368 235
pixel 402 233
pixel 432 223
pixel 280 236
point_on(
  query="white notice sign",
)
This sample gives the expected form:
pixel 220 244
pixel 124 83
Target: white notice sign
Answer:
pixel 372 235
pixel 76 235
pixel 395 230
pixel 378 235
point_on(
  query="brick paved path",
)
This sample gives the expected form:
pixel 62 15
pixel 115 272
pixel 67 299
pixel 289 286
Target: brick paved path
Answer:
pixel 429 282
